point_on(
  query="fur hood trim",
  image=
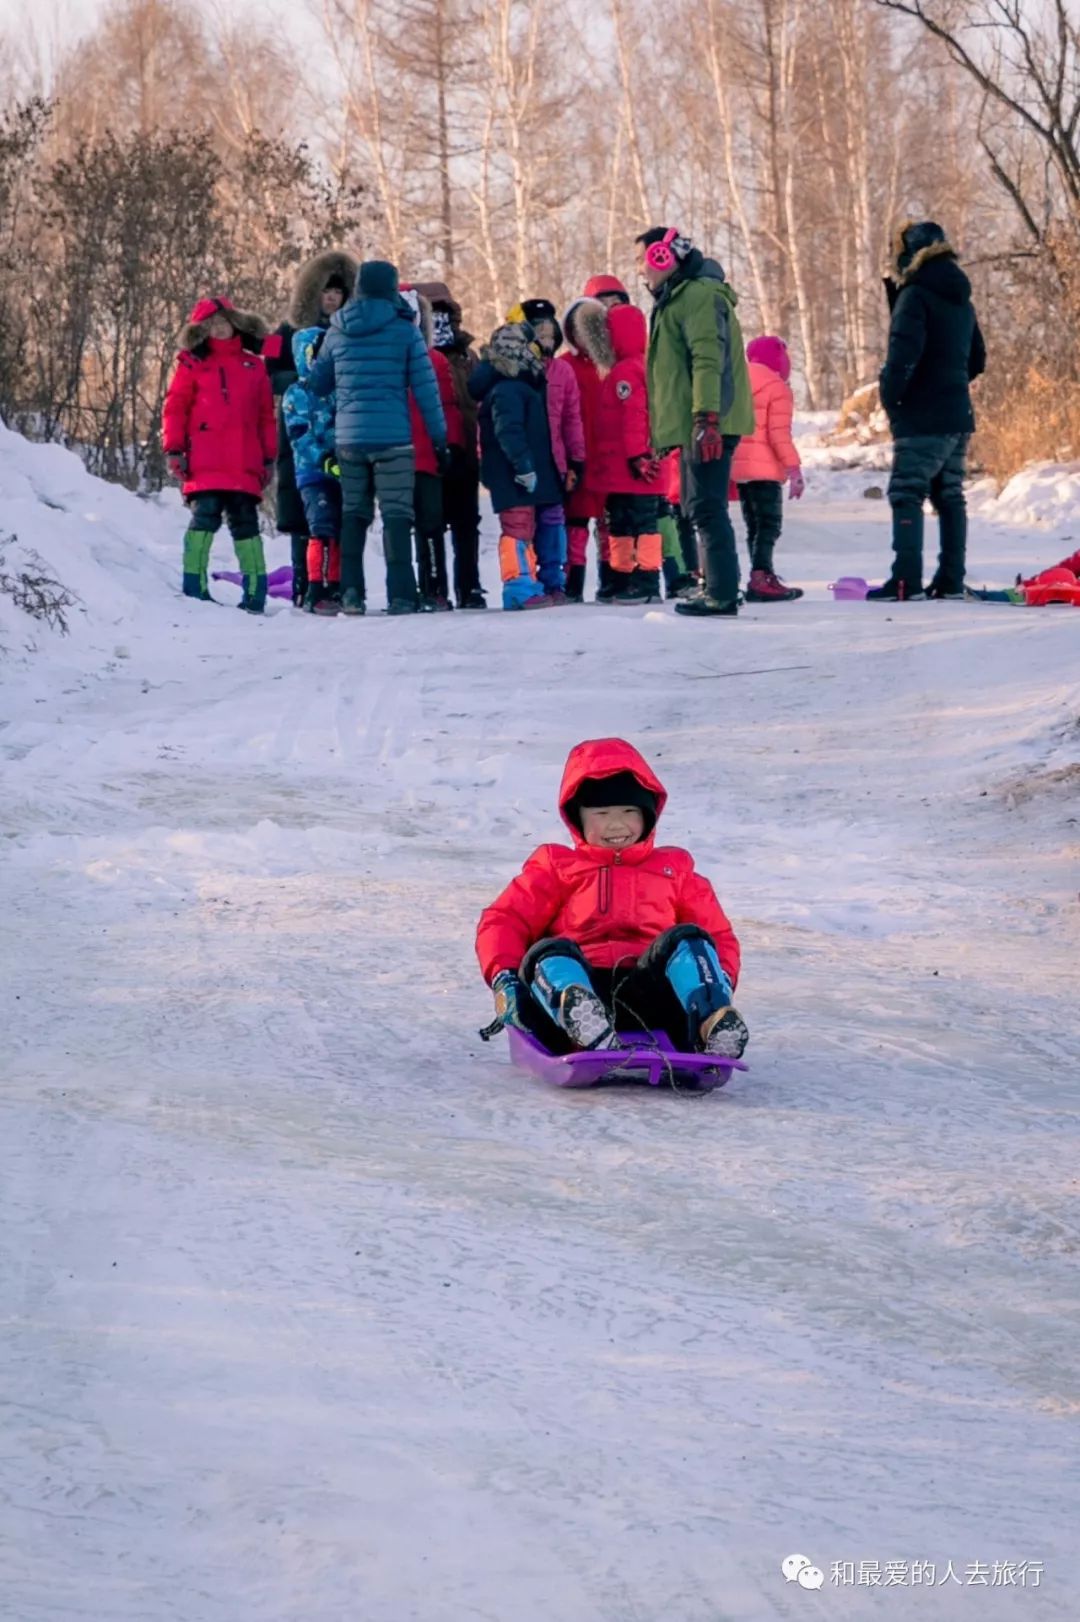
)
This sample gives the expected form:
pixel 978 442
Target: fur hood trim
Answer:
pixel 251 328
pixel 587 318
pixel 933 244
pixel 311 282
pixel 935 250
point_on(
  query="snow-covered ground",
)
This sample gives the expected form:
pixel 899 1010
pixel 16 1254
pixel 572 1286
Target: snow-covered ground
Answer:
pixel 315 1310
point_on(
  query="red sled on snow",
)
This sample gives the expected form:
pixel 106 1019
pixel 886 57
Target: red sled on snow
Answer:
pixel 646 1058
pixel 1057 585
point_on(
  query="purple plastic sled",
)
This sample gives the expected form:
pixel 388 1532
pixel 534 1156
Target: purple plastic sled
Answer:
pixel 654 1062
pixel 278 582
pixel 850 588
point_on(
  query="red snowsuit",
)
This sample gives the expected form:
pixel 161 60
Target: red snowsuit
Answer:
pixel 613 903
pixel 219 412
pixel 455 422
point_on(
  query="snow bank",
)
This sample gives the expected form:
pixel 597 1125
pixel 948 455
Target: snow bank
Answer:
pixel 110 549
pixel 1046 495
pixel 116 553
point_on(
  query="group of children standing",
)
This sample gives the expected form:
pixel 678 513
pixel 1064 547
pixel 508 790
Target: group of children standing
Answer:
pixel 382 399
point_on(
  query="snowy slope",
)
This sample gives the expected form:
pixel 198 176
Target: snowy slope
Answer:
pixel 316 1310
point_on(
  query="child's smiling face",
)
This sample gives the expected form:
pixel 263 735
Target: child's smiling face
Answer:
pixel 612 826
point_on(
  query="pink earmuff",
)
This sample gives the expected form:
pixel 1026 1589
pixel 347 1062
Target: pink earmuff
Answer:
pixel 658 255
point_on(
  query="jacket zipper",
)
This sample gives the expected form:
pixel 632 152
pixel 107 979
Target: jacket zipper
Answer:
pixel 224 383
pixel 605 883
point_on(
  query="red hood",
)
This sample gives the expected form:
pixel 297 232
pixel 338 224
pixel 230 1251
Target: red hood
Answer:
pixel 606 757
pixel 629 332
pixel 604 284
pixel 206 308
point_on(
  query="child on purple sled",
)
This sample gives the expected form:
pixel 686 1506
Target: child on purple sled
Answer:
pixel 618 932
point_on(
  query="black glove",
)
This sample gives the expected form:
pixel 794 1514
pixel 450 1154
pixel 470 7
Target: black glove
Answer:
pixel 443 460
pixel 510 995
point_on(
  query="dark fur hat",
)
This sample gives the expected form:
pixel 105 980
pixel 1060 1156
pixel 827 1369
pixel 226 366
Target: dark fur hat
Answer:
pixel 312 280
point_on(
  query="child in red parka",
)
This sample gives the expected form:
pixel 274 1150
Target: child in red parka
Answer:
pixel 764 462
pixel 219 434
pixel 617 930
pixel 626 468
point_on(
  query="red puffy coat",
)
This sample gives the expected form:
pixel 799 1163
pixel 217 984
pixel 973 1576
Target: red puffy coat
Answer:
pixel 455 422
pixel 622 410
pixel 611 902
pixel 219 413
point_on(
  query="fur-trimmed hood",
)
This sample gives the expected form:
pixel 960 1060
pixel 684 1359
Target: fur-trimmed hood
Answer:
pixel 923 254
pixel 586 327
pixel 312 280
pixel 252 329
pixel 914 244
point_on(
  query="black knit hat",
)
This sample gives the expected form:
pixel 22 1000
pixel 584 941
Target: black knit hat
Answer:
pixel 621 788
pixel 378 279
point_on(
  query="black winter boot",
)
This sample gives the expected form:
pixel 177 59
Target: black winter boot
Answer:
pixel 575 582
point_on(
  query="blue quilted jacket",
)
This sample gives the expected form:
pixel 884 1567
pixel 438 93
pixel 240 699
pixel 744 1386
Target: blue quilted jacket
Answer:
pixel 372 356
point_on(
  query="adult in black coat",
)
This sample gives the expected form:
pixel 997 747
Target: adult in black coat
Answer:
pixel 322 286
pixel 935 351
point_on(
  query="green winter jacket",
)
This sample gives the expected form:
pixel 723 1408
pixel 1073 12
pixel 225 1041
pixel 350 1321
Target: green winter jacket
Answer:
pixel 696 357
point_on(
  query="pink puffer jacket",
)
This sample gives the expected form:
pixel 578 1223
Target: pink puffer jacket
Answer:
pixel 769 452
pixel 564 415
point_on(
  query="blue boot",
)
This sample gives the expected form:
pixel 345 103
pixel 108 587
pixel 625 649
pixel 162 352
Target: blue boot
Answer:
pixel 562 987
pixel 698 980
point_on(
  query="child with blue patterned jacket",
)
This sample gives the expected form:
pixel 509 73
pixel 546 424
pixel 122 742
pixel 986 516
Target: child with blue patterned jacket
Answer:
pixel 309 423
